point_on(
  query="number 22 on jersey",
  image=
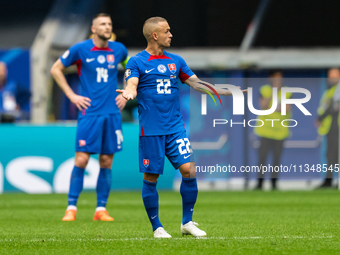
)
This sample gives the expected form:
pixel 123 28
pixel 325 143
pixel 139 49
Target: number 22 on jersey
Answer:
pixel 163 86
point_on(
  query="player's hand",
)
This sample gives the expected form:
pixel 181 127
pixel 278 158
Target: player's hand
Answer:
pixel 80 101
pixel 121 102
pixel 125 94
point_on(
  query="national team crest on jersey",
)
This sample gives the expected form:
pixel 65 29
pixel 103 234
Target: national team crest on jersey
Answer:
pixel 82 143
pixel 146 162
pixel 101 59
pixel 161 68
pixel 172 68
pixel 110 58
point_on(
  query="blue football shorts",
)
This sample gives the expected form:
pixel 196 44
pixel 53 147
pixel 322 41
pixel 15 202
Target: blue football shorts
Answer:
pixel 100 134
pixel 153 149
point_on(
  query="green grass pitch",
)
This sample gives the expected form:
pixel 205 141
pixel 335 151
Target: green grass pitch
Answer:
pixel 236 223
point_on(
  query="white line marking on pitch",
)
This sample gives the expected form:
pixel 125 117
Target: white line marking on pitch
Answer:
pixel 174 238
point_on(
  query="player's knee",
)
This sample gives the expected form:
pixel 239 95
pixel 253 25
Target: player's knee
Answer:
pixel 188 170
pixel 186 174
pixel 105 164
pixel 105 161
pixel 81 163
pixel 150 177
pixel 81 160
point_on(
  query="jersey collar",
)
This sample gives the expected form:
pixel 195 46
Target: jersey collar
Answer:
pixel 152 57
pixel 95 48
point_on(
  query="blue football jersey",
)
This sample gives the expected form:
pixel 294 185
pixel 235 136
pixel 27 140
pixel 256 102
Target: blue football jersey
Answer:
pixel 10 89
pixel 97 70
pixel 158 92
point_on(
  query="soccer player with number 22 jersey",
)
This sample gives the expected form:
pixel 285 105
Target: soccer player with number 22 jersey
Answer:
pixel 152 76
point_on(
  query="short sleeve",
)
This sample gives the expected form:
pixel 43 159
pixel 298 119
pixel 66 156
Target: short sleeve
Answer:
pixel 132 69
pixel 70 56
pixel 184 71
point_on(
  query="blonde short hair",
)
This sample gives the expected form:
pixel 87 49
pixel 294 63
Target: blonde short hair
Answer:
pixel 150 26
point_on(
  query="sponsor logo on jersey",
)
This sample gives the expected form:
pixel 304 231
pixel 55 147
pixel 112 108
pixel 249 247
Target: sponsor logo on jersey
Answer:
pixel 110 58
pixel 161 68
pixel 146 162
pixel 148 71
pixel 101 59
pixel 82 143
pixel 173 76
pixel 172 68
pixel 65 55
pixel 88 60
pixel 127 73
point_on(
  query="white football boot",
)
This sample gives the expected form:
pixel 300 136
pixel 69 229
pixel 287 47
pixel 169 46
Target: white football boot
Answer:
pixel 161 233
pixel 191 229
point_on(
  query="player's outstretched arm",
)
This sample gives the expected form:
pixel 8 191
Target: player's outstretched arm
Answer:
pixel 57 73
pixel 130 92
pixel 202 86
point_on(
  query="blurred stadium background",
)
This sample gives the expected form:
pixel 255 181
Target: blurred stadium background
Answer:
pixel 236 40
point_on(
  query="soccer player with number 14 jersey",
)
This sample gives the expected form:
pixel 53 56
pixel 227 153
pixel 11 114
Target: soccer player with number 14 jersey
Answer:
pixel 99 120
pixel 152 77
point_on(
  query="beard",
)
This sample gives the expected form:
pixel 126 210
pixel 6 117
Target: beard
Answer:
pixel 3 81
pixel 103 37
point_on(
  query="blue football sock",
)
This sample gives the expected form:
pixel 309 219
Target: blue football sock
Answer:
pixel 150 200
pixel 103 186
pixel 189 192
pixel 76 185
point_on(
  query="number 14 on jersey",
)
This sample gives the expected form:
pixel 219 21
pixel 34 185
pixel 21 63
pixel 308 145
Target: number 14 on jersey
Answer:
pixel 102 74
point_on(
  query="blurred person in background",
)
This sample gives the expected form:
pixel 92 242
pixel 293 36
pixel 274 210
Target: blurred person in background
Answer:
pixel 9 109
pixel 99 119
pixel 272 134
pixel 328 124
